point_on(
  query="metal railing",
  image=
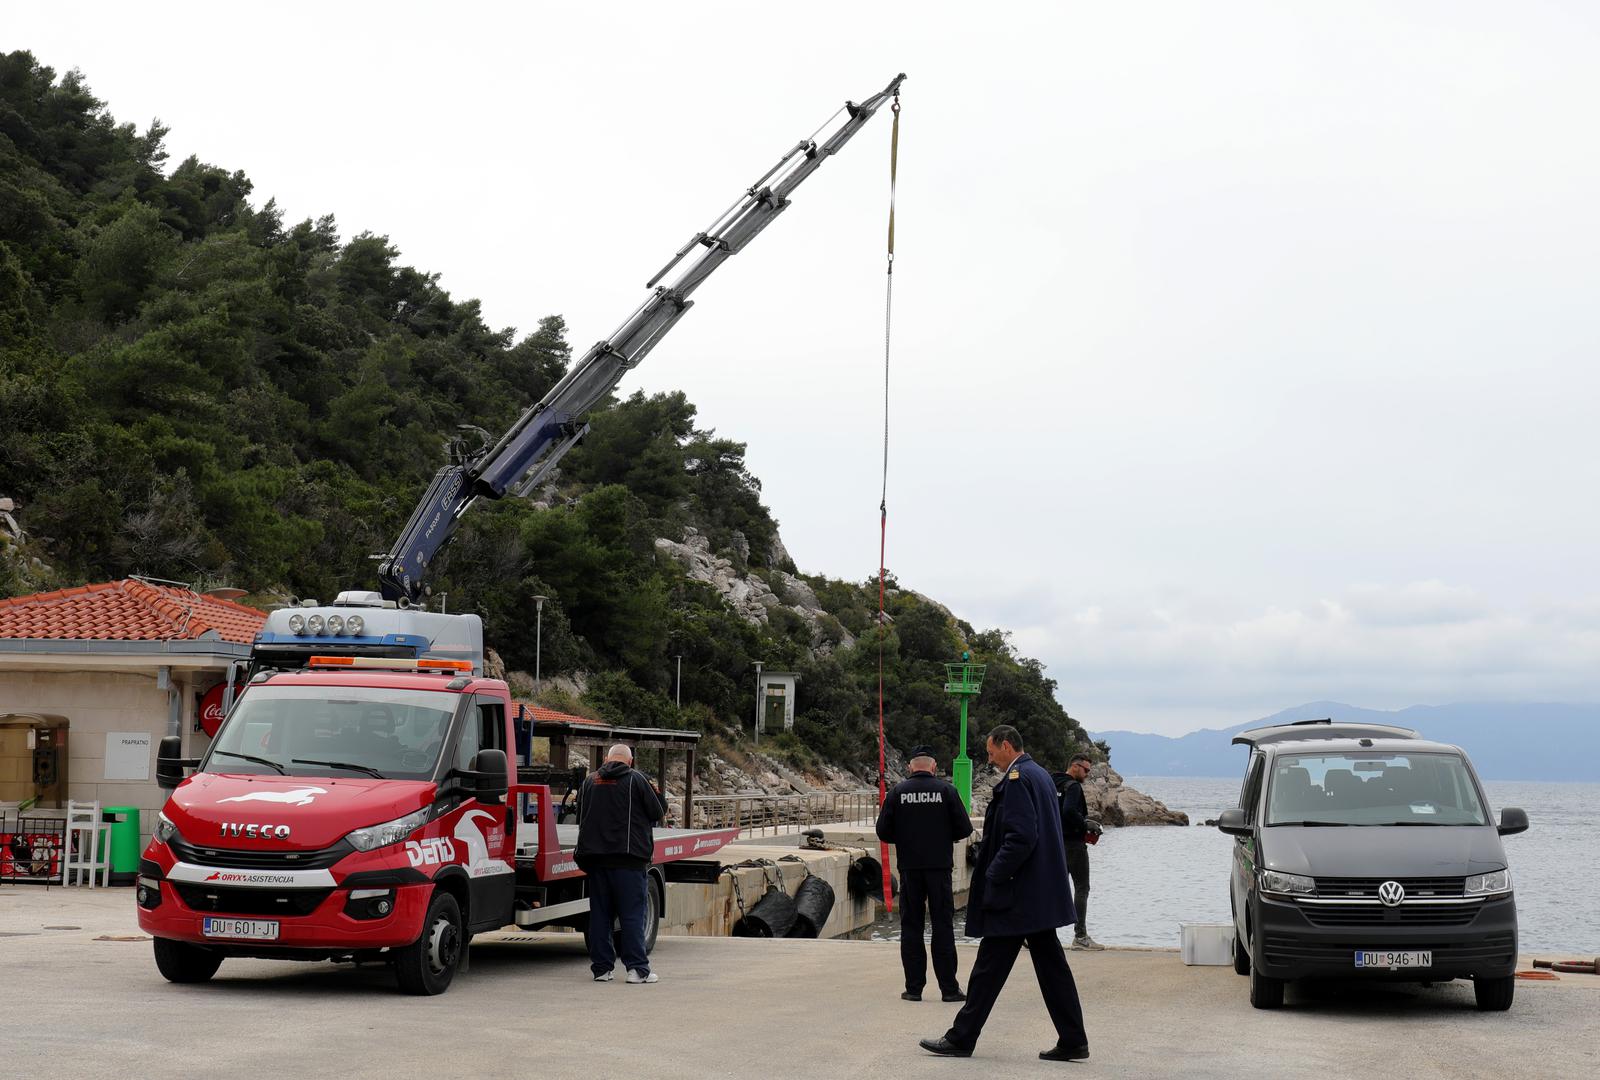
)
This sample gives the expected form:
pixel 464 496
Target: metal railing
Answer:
pixel 761 815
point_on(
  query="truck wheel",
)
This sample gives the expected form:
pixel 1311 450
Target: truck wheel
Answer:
pixel 1241 956
pixel 1265 992
pixel 652 924
pixel 1494 995
pixel 181 962
pixel 427 965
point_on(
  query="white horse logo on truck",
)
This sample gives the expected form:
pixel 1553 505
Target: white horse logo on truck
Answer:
pixel 300 796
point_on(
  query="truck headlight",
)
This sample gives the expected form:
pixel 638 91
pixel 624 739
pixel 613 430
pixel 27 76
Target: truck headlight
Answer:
pixel 335 625
pixel 1274 881
pixel 390 832
pixel 297 623
pixel 1490 884
pixel 165 831
pixel 355 624
pixel 314 625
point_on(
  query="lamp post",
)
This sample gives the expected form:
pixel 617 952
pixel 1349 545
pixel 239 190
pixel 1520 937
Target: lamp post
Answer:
pixel 678 692
pixel 965 680
pixel 758 702
pixel 538 642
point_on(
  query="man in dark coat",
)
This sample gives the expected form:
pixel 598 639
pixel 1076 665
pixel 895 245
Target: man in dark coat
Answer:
pixel 1020 894
pixel 923 817
pixel 617 809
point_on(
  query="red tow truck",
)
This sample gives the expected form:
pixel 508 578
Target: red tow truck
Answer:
pixel 359 800
pixel 364 808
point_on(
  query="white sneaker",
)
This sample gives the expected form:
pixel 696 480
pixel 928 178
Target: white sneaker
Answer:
pixel 1087 944
pixel 605 976
pixel 647 977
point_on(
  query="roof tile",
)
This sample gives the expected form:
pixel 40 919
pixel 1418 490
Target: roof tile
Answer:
pixel 127 610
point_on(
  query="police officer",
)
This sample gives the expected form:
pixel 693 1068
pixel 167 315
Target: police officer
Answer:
pixel 923 816
pixel 1020 894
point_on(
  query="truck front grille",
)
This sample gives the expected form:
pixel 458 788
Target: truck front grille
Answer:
pixel 228 901
pixel 242 859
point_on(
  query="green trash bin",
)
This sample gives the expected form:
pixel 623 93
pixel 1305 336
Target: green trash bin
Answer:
pixel 124 855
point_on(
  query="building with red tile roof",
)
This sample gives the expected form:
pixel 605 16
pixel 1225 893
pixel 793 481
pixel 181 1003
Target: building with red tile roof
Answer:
pixel 95 676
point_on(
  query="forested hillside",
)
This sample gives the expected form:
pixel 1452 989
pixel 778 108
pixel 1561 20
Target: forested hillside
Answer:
pixel 192 388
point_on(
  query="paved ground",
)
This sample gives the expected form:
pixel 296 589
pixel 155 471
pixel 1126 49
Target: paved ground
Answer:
pixel 77 1005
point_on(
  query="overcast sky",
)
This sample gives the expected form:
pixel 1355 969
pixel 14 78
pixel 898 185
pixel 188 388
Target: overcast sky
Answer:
pixel 1244 353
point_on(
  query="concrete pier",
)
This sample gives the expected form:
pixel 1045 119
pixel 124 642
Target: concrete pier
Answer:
pixel 83 1002
pixel 711 910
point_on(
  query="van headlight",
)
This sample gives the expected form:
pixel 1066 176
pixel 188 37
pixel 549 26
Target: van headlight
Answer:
pixel 390 832
pixel 165 831
pixel 1275 881
pixel 1490 884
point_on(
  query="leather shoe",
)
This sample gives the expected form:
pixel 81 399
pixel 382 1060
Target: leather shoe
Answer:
pixel 944 1047
pixel 910 995
pixel 1064 1053
pixel 952 995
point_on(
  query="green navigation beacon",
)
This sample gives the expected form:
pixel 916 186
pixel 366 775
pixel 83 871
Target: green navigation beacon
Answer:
pixel 964 680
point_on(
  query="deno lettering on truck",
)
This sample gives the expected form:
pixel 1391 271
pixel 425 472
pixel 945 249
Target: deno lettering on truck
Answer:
pixel 430 852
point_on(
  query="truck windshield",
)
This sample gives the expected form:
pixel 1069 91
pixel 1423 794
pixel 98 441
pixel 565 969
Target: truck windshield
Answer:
pixel 334 731
pixel 1373 789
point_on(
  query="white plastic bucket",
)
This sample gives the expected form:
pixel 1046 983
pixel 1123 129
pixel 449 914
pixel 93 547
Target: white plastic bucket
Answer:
pixel 1206 943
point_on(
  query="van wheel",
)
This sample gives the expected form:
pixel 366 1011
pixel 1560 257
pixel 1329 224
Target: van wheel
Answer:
pixel 181 962
pixel 1494 995
pixel 1265 992
pixel 1241 956
pixel 427 965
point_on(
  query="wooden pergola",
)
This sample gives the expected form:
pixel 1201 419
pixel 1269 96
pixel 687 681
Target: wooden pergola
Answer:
pixel 575 733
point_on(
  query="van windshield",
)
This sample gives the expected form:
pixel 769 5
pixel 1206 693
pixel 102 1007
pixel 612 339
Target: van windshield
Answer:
pixel 1356 788
pixel 334 731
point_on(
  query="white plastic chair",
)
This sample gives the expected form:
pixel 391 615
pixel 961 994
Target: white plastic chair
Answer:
pixel 86 845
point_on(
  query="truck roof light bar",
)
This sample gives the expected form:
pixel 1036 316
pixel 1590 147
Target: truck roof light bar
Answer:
pixel 427 663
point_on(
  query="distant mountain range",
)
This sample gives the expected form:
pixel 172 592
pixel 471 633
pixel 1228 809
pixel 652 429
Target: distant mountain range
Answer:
pixel 1505 742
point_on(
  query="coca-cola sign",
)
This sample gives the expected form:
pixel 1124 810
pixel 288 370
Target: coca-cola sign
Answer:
pixel 211 710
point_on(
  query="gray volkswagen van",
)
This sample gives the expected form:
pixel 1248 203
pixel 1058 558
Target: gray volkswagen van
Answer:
pixel 1362 851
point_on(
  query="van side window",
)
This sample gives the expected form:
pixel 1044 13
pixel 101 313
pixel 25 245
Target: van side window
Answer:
pixel 1251 799
pixel 1249 771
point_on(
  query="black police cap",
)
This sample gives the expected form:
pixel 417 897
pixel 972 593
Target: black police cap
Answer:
pixel 921 751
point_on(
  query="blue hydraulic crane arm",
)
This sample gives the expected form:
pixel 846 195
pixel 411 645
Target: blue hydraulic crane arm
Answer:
pixel 548 429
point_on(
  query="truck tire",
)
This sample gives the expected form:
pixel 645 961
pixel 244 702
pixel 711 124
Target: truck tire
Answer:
pixel 652 923
pixel 427 965
pixel 180 962
pixel 1265 992
pixel 1494 995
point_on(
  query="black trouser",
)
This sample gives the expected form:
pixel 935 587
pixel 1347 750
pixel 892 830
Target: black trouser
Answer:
pixel 996 955
pixel 1078 867
pixel 930 888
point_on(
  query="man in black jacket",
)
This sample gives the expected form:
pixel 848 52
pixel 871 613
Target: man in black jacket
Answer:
pixel 1075 825
pixel 923 817
pixel 617 809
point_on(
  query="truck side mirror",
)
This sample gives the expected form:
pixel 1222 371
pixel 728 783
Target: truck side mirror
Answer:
pixel 1232 822
pixel 488 782
pixel 169 762
pixel 1513 820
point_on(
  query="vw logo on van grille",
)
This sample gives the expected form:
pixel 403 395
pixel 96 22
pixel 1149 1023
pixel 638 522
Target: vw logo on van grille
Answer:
pixel 1391 893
